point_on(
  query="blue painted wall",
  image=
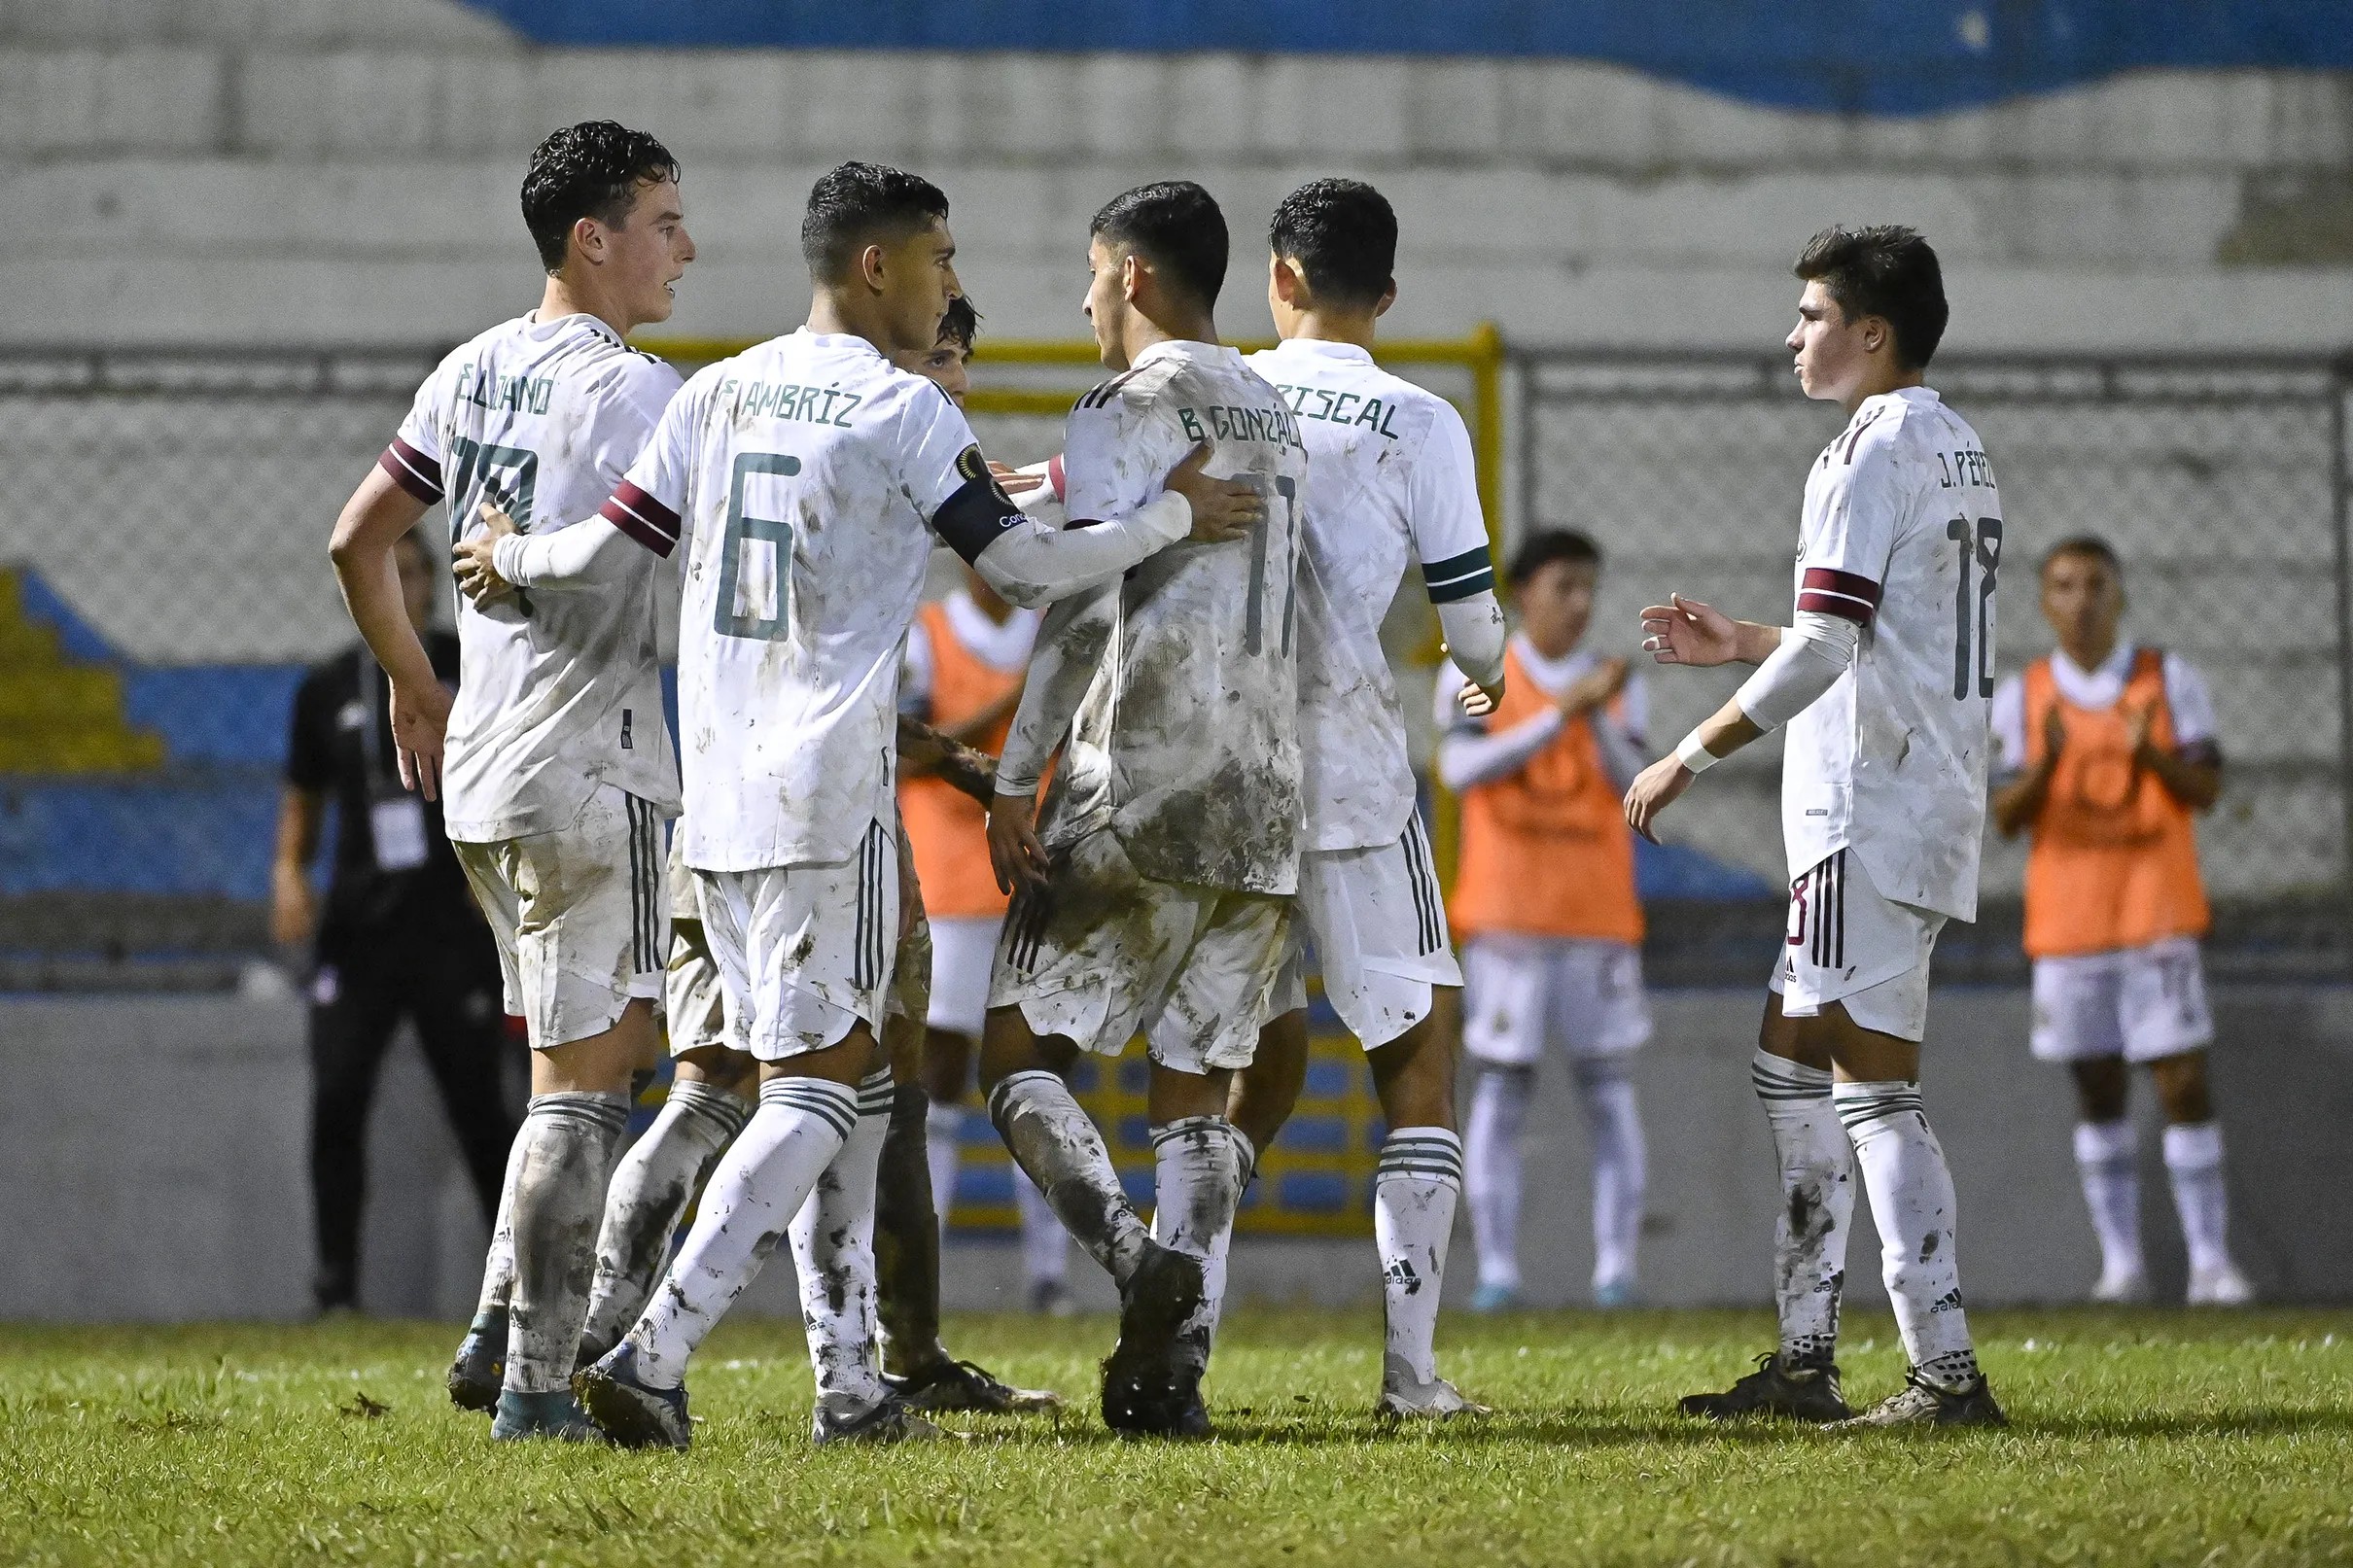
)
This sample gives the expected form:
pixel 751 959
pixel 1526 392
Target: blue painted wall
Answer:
pixel 1871 57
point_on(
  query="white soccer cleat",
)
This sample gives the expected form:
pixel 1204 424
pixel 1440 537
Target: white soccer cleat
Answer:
pixel 2121 1287
pixel 1406 1398
pixel 2225 1286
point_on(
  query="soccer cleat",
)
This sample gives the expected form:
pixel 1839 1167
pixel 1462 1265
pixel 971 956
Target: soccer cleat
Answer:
pixel 554 1414
pixel 1797 1393
pixel 2225 1286
pixel 2121 1288
pixel 1051 1298
pixel 481 1366
pixel 890 1418
pixel 1495 1298
pixel 1143 1379
pixel 1406 1398
pixel 963 1385
pixel 1919 1403
pixel 1617 1293
pixel 629 1411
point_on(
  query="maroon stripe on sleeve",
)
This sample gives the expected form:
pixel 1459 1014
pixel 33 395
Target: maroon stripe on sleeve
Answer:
pixel 642 518
pixel 412 470
pixel 1839 593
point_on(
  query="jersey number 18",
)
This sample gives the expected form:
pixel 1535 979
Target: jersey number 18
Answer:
pixel 1972 657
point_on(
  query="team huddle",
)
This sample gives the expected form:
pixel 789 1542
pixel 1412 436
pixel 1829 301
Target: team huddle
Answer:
pixel 1203 779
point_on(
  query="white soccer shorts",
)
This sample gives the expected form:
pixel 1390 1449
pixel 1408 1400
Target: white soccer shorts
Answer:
pixel 1109 952
pixel 1378 920
pixel 963 948
pixel 804 952
pixel 579 914
pixel 2139 1004
pixel 1521 991
pixel 1848 944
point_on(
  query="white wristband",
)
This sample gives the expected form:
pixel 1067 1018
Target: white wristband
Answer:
pixel 1695 756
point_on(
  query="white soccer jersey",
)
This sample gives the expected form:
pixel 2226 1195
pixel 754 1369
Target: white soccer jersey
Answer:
pixel 1188 741
pixel 1901 534
pixel 804 475
pixel 1390 480
pixel 561 691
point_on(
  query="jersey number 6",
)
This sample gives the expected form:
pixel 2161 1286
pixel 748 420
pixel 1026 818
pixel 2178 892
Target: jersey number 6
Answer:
pixel 1973 658
pixel 742 530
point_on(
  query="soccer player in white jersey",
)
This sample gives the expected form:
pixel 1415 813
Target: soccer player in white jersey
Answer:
pixel 556 770
pixel 1884 680
pixel 808 477
pixel 1389 481
pixel 1165 905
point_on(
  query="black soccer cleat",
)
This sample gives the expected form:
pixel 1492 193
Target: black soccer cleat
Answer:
pixel 1921 1403
pixel 1147 1387
pixel 965 1386
pixel 1793 1393
pixel 479 1369
pixel 630 1411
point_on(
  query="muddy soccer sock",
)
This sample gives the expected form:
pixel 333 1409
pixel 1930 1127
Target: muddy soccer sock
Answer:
pixel 1414 1193
pixel 1911 1201
pixel 1491 1169
pixel 1621 1162
pixel 1817 1202
pixel 498 1263
pixel 651 1186
pixel 1052 1138
pixel 1045 1247
pixel 1196 1185
pixel 568 1142
pixel 2107 1160
pixel 834 1248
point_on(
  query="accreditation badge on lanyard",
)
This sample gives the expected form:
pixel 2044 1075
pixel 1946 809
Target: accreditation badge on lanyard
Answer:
pixel 396 819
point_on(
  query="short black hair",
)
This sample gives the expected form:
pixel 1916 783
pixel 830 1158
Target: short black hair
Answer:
pixel 855 204
pixel 1344 235
pixel 1888 271
pixel 1176 225
pixel 588 170
pixel 1545 545
pixel 2086 544
pixel 961 325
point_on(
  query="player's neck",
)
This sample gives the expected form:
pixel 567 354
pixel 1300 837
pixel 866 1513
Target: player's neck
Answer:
pixel 2088 655
pixel 567 296
pixel 1144 334
pixel 1551 653
pixel 1881 375
pixel 1352 327
pixel 839 314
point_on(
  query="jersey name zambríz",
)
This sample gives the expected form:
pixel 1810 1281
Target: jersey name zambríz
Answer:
pixel 1903 535
pixel 1188 741
pixel 561 691
pixel 1390 479
pixel 804 476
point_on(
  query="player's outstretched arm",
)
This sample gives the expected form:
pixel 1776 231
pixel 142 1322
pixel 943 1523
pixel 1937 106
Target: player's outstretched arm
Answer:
pixel 1031 564
pixel 499 559
pixel 379 512
pixel 928 752
pixel 1685 631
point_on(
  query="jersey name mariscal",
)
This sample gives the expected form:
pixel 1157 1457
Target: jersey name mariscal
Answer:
pixel 1390 480
pixel 561 691
pixel 1903 535
pixel 1188 741
pixel 804 475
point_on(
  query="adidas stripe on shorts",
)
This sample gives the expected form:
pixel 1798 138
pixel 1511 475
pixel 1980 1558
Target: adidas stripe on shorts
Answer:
pixel 1848 944
pixel 805 952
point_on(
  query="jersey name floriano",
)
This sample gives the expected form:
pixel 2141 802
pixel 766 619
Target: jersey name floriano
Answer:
pixel 1188 741
pixel 804 476
pixel 1901 534
pixel 560 692
pixel 1390 480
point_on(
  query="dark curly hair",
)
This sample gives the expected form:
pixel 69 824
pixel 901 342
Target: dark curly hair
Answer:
pixel 1888 271
pixel 588 170
pixel 961 325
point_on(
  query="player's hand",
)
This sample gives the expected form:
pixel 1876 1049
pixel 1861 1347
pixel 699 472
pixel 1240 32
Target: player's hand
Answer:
pixel 1685 631
pixel 293 906
pixel 1014 852
pixel 1012 481
pixel 2138 721
pixel 1477 701
pixel 420 720
pixel 2054 735
pixel 1594 687
pixel 1655 788
pixel 1222 508
pixel 469 557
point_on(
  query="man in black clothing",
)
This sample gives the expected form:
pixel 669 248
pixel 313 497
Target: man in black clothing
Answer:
pixel 400 936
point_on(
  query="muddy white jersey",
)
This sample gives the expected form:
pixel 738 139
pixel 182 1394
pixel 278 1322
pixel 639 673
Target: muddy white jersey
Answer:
pixel 1901 534
pixel 1186 744
pixel 1389 481
pixel 804 476
pixel 560 692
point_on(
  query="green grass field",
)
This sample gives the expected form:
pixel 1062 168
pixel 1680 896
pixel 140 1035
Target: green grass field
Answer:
pixel 2139 1437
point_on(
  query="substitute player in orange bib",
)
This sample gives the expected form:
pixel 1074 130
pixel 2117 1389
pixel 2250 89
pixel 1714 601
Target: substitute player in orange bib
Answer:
pixel 2109 749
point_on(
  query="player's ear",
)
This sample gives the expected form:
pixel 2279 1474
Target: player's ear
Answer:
pixel 588 238
pixel 872 263
pixel 1388 297
pixel 1132 271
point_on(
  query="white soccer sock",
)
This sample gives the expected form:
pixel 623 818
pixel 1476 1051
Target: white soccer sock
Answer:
pixel 1052 1138
pixel 1499 1115
pixel 762 1182
pixel 1911 1201
pixel 834 1248
pixel 1196 1185
pixel 568 1141
pixel 943 1150
pixel 1414 1192
pixel 1620 1167
pixel 1045 1247
pixel 2107 1158
pixel 651 1186
pixel 498 1264
pixel 1817 1200
pixel 2193 1159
